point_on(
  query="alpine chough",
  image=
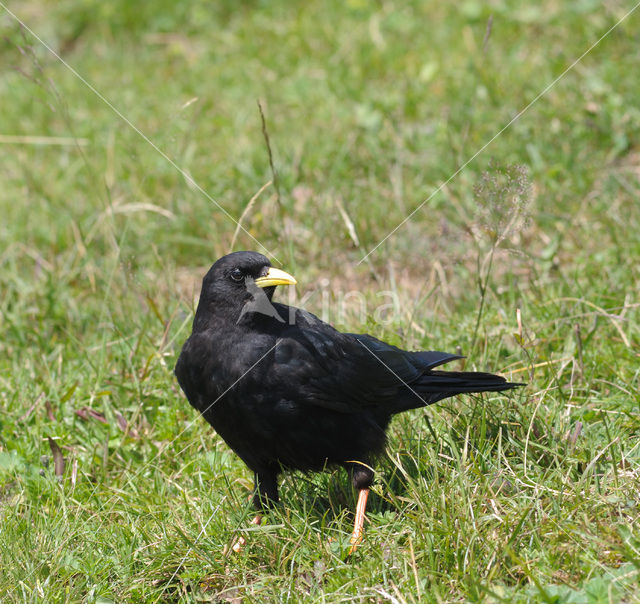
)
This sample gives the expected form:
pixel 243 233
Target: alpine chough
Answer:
pixel 287 391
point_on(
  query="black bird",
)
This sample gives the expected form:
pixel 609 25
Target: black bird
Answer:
pixel 286 390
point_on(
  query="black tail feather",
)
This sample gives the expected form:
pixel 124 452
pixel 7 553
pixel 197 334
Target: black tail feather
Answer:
pixel 430 359
pixel 437 385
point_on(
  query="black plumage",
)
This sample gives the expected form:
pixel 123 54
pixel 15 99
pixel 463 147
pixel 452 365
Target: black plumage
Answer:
pixel 286 390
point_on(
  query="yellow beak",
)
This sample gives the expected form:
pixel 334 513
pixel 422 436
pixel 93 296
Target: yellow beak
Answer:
pixel 275 277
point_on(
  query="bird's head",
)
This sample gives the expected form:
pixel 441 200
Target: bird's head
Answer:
pixel 236 279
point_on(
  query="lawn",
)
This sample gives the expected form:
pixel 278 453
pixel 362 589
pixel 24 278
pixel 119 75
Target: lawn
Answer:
pixel 461 177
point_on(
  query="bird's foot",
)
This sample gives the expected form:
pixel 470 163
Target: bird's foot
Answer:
pixel 238 545
pixel 240 542
pixel 356 540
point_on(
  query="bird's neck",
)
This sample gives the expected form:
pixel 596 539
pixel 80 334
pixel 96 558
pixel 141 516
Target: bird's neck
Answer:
pixel 247 313
pixel 211 315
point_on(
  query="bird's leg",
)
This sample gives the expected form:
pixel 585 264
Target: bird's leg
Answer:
pixel 362 478
pixel 265 495
pixel 356 536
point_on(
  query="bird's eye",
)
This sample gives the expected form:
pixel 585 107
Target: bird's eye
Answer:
pixel 236 274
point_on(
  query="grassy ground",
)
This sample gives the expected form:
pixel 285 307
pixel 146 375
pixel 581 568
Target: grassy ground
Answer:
pixel 369 107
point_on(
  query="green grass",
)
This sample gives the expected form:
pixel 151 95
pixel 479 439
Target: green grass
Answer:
pixel 531 497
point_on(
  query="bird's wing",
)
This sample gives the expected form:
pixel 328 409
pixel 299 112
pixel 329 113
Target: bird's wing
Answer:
pixel 318 365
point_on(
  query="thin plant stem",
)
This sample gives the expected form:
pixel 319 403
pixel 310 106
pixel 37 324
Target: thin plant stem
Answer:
pixel 483 294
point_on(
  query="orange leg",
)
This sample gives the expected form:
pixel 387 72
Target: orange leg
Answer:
pixel 241 541
pixel 356 536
